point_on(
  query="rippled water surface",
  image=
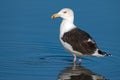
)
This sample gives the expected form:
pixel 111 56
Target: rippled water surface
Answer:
pixel 30 48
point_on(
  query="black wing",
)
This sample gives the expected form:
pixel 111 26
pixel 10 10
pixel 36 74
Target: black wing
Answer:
pixel 80 41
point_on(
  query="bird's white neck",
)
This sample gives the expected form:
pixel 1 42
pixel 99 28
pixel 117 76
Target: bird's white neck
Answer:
pixel 66 26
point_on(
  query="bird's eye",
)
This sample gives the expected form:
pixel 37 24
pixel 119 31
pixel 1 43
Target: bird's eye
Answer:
pixel 65 12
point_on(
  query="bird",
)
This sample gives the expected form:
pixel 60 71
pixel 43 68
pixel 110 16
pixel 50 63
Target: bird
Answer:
pixel 75 40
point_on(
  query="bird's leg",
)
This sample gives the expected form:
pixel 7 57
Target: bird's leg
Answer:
pixel 74 66
pixel 74 58
pixel 74 61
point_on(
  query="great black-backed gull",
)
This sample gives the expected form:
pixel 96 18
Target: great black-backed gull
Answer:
pixel 75 40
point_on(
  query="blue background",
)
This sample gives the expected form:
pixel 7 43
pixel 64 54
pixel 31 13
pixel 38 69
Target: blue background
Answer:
pixel 29 38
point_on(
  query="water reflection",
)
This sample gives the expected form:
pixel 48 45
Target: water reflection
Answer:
pixel 78 73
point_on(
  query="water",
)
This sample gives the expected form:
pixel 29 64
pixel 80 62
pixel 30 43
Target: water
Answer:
pixel 30 48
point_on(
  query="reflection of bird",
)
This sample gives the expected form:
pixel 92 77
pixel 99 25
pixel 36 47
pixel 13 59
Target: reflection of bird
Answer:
pixel 74 40
pixel 79 73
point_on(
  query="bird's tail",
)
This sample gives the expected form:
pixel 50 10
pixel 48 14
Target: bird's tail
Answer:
pixel 103 53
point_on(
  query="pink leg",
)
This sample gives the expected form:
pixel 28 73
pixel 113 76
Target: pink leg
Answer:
pixel 74 58
pixel 74 66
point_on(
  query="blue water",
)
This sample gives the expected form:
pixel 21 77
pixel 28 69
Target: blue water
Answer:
pixel 29 44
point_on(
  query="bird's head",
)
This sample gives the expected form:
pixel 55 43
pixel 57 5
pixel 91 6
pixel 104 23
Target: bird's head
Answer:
pixel 65 14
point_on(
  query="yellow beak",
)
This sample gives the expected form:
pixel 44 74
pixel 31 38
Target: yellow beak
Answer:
pixel 54 16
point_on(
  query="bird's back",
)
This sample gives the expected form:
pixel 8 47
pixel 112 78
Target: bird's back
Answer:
pixel 80 41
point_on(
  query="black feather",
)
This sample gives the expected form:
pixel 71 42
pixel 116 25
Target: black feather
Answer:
pixel 104 53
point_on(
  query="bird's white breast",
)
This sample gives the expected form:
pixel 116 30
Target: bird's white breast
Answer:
pixel 65 27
